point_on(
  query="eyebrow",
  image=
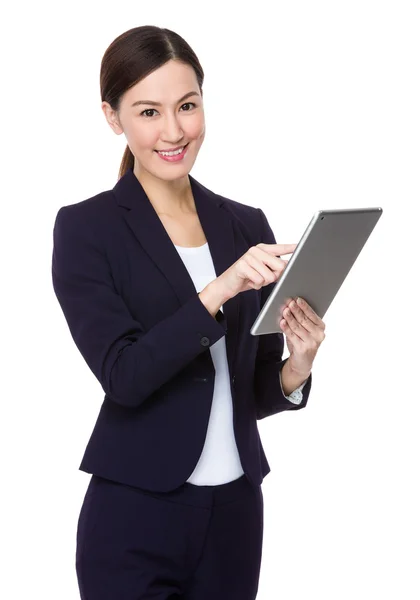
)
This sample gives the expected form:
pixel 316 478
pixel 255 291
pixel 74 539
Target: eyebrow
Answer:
pixel 152 103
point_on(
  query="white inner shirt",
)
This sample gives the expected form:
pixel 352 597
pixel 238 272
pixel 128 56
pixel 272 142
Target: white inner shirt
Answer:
pixel 219 461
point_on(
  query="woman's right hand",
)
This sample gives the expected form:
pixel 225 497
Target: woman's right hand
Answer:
pixel 258 267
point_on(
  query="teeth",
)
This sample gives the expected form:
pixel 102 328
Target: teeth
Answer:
pixel 172 153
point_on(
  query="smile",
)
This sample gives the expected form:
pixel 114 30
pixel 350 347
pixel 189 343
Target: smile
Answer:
pixel 174 156
pixel 173 153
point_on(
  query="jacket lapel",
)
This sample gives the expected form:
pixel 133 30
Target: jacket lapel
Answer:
pixel 218 226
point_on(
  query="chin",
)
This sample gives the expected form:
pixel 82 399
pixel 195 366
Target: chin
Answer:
pixel 171 172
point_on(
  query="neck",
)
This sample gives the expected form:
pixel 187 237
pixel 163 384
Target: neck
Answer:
pixel 167 197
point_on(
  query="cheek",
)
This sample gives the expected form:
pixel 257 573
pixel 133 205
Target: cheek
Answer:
pixel 195 128
pixel 143 138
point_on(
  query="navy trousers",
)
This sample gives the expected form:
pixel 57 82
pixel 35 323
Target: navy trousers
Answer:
pixel 193 543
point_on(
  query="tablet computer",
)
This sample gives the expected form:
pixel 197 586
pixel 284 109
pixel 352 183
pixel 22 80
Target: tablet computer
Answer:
pixel 320 263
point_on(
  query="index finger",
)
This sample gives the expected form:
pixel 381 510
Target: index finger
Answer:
pixel 279 249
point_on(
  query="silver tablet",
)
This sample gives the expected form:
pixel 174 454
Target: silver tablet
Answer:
pixel 320 263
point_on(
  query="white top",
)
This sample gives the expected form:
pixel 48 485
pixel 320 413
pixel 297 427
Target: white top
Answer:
pixel 219 461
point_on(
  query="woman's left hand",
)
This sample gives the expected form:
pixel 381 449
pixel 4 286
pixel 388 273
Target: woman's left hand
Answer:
pixel 305 332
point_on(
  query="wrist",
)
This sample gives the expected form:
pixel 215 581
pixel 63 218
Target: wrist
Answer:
pixel 297 372
pixel 213 297
pixel 292 379
pixel 219 291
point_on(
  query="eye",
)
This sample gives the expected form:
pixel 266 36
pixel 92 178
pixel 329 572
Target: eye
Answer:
pixel 187 103
pixel 148 110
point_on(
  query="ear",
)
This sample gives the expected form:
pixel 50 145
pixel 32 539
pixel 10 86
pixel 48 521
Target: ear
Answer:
pixel 112 118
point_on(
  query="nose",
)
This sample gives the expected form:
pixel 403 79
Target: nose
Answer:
pixel 171 131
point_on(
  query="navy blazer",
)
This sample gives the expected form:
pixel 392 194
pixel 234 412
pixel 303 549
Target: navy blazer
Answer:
pixel 135 316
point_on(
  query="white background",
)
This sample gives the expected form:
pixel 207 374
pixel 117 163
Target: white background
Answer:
pixel 309 105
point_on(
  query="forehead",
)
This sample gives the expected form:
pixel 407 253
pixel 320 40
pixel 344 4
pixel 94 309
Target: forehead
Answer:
pixel 166 84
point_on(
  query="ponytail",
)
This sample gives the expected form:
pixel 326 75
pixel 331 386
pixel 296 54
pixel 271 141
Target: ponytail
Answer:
pixel 127 162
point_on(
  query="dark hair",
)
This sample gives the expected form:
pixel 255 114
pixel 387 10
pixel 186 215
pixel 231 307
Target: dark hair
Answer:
pixel 132 56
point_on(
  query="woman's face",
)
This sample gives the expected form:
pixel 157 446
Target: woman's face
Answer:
pixel 162 111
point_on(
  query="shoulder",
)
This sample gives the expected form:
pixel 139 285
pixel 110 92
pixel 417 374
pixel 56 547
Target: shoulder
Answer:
pixel 90 212
pixel 88 206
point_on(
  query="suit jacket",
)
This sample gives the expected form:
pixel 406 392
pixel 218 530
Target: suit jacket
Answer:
pixel 135 316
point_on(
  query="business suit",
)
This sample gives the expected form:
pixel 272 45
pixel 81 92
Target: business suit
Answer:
pixel 137 320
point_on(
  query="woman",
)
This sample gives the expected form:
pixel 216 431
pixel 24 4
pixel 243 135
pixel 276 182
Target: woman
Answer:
pixel 151 278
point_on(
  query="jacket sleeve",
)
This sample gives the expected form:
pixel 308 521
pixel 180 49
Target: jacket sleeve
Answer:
pixel 129 362
pixel 269 396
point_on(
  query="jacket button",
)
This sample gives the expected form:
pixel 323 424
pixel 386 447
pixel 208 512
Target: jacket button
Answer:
pixel 204 341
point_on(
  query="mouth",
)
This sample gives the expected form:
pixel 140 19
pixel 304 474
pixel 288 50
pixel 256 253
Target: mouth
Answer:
pixel 173 151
